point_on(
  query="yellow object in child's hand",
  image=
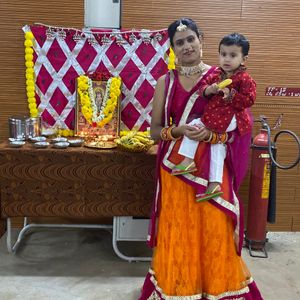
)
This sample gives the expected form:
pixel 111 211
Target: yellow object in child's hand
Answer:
pixel 224 83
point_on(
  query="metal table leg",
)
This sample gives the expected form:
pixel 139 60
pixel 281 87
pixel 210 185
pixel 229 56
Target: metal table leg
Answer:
pixel 13 248
pixel 116 249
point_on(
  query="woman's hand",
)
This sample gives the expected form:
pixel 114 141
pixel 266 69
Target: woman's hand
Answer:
pixel 180 130
pixel 197 133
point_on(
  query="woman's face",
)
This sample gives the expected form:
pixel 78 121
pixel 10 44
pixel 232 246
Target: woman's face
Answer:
pixel 187 47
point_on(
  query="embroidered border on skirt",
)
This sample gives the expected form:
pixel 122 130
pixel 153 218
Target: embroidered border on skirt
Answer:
pixel 156 292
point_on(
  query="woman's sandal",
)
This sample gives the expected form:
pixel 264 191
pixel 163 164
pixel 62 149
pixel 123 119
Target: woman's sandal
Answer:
pixel 181 170
pixel 209 195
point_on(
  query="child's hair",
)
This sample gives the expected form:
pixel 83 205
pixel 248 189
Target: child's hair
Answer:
pixel 236 39
pixel 185 21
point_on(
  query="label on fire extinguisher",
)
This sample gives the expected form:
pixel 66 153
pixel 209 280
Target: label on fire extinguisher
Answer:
pixel 266 181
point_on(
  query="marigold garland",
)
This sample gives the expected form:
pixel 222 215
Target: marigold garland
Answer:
pixel 171 62
pixel 89 108
pixel 65 132
pixel 30 74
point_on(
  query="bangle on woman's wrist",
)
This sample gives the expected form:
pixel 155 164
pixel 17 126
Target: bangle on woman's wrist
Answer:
pixel 166 133
pixel 209 138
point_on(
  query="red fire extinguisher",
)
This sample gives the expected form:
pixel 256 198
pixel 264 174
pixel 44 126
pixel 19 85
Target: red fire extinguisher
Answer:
pixel 262 188
pixel 259 189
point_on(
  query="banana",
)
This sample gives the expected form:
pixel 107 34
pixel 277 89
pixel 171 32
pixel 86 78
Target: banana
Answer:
pixel 134 140
pixel 224 83
pixel 139 145
pixel 142 139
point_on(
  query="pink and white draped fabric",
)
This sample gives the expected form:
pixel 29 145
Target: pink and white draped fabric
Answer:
pixel 59 59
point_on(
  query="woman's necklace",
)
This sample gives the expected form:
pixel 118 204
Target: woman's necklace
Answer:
pixel 188 71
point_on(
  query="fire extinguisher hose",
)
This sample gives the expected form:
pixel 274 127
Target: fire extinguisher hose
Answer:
pixel 295 137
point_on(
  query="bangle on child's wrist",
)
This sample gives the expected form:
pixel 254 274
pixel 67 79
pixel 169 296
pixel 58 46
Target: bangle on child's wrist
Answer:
pixel 217 138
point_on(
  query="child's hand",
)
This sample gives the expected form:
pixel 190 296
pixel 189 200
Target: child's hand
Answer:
pixel 212 89
pixel 226 93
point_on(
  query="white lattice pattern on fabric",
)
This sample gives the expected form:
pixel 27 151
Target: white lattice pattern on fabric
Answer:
pixel 59 60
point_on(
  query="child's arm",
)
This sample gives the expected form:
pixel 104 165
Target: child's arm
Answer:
pixel 211 90
pixel 245 96
pixel 209 86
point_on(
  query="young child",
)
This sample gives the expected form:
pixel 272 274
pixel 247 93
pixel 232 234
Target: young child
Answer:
pixel 225 111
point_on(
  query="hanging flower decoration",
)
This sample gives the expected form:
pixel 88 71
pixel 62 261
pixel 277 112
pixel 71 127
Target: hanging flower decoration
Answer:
pixel 89 108
pixel 171 63
pixel 30 89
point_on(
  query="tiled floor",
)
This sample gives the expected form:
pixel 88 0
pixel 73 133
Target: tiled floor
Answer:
pixel 80 264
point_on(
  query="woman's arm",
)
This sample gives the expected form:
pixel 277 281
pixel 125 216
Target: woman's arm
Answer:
pixel 157 110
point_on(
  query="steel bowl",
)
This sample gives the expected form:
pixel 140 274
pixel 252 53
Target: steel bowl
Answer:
pixel 61 145
pixel 41 145
pixel 59 140
pixel 76 142
pixel 38 139
pixel 16 144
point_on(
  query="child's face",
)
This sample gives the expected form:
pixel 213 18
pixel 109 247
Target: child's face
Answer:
pixel 231 57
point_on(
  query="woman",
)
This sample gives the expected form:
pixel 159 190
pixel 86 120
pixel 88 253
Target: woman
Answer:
pixel 198 245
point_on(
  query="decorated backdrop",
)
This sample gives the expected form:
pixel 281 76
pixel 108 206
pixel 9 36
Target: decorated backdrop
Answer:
pixel 62 54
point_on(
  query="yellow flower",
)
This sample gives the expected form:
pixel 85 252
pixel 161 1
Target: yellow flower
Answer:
pixel 30 82
pixel 34 112
pixel 29 76
pixel 28 43
pixel 31 100
pixel 88 115
pixel 171 63
pixel 30 88
pixel 82 85
pixel 28 35
pixel 32 106
pixel 29 64
pixel 28 50
pixel 65 132
pixel 29 57
pixel 30 94
pixel 29 71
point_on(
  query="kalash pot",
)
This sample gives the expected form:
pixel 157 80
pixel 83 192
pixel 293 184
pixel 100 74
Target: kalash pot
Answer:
pixel 24 127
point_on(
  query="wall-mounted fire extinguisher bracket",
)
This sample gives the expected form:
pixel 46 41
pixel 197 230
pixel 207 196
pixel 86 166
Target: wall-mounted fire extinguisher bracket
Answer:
pixel 262 188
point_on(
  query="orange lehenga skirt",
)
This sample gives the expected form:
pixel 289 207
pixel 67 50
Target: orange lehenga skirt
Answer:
pixel 195 251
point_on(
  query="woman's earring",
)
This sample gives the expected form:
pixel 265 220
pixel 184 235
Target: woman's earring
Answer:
pixel 201 53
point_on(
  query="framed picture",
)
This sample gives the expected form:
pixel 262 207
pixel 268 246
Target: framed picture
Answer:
pixel 84 129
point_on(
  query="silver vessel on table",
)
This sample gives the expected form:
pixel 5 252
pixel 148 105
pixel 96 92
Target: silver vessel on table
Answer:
pixel 24 127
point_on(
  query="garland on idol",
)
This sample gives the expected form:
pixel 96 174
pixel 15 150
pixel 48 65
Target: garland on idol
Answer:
pixel 103 115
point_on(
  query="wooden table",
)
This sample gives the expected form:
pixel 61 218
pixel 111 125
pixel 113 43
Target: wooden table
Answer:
pixel 75 182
